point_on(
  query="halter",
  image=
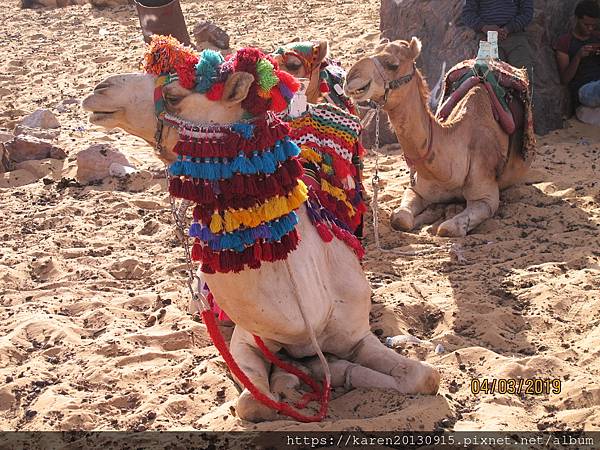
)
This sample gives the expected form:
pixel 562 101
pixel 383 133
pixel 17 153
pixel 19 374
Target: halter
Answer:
pixel 390 85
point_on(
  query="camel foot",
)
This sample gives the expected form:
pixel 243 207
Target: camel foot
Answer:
pixel 453 228
pixel 250 409
pixel 429 380
pixel 285 385
pixel 403 220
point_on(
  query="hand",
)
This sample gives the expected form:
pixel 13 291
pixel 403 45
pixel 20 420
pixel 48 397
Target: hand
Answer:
pixel 487 28
pixel 502 33
pixel 586 51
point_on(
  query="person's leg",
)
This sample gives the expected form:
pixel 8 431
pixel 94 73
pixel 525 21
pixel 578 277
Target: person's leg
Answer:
pixel 589 94
pixel 518 52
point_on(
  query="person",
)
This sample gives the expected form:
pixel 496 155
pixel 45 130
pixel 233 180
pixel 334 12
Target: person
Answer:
pixel 509 18
pixel 578 56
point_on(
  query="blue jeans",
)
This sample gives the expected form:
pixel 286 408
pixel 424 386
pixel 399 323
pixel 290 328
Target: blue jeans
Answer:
pixel 589 94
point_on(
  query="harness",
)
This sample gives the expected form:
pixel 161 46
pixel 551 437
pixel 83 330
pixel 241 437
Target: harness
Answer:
pixel 390 85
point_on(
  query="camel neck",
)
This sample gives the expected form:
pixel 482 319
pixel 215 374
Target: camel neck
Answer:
pixel 413 125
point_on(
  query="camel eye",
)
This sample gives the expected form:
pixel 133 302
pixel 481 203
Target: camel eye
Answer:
pixel 172 99
pixel 392 66
pixel 293 66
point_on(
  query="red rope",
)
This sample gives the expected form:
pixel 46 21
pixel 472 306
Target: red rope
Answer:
pixel 211 325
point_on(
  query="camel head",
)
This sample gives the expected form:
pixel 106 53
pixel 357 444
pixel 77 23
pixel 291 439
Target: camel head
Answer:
pixel 198 88
pixel 384 73
pixel 303 60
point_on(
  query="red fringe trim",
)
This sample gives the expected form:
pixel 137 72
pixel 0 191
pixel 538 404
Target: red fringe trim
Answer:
pixel 231 261
pixel 240 191
pixel 265 136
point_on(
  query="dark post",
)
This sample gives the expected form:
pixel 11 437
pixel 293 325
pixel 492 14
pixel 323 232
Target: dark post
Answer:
pixel 162 17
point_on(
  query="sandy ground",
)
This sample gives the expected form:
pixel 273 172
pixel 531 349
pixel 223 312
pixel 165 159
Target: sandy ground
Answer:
pixel 83 268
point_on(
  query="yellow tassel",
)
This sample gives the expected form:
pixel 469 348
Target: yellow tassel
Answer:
pixel 339 194
pixel 216 223
pixel 309 154
pixel 327 169
pixel 231 223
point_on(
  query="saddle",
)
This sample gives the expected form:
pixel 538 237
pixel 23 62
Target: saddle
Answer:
pixel 509 93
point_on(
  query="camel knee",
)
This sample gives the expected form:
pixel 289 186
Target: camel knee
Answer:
pixel 416 377
pixel 403 220
pixel 453 228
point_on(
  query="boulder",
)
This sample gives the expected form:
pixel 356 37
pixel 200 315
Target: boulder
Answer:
pixel 208 35
pixel 5 165
pixel 94 163
pixel 24 148
pixel 444 38
pixel 40 133
pixel 109 3
pixel 42 118
pixel 50 3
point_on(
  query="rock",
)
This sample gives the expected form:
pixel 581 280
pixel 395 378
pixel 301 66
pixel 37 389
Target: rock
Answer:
pixel 24 148
pixel 208 35
pixel 444 38
pixel 50 3
pixel 42 118
pixel 16 178
pixel 42 168
pixel 5 164
pixel 5 136
pixel 41 133
pixel 94 162
pixel 109 3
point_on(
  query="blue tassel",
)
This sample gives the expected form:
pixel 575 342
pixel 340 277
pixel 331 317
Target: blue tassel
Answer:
pixel 245 130
pixel 279 152
pixel 195 230
pixel 257 163
pixel 291 147
pixel 268 161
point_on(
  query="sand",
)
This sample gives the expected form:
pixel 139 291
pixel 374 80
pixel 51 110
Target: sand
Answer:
pixel 83 269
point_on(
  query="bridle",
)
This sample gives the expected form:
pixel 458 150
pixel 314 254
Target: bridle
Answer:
pixel 390 85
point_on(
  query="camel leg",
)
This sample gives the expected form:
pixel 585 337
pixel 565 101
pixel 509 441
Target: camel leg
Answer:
pixel 430 215
pixel 351 375
pixel 411 376
pixel 476 212
pixel 403 219
pixel 252 362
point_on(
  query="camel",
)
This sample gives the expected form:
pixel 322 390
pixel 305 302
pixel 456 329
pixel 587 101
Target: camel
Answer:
pixel 316 301
pixel 467 157
pixel 309 60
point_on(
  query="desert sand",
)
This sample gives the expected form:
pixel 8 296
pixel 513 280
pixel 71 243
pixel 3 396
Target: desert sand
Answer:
pixel 94 329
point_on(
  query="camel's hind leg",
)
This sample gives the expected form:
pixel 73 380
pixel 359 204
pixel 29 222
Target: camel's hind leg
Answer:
pixel 252 362
pixel 403 219
pixel 410 376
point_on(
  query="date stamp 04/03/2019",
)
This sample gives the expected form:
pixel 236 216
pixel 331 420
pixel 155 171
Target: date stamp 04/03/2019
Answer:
pixel 517 386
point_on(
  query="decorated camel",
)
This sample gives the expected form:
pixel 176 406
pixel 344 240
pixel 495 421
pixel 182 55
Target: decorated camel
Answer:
pixel 462 153
pixel 282 266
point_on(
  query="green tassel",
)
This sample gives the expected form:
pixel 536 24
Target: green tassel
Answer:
pixel 266 75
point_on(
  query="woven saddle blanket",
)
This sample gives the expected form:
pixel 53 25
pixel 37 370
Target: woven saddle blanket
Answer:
pixel 509 92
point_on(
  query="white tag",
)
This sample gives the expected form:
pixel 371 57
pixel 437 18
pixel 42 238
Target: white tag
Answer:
pixel 299 103
pixel 485 51
pixel 338 89
pixel 492 37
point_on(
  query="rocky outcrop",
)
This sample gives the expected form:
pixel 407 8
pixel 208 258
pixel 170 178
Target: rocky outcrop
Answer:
pixel 99 161
pixel 25 148
pixel 438 25
pixel 209 35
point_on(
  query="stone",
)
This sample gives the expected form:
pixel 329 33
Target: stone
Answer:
pixel 40 133
pixel 109 3
pixel 42 168
pixel 5 165
pixel 16 178
pixel 33 4
pixel 208 35
pixel 444 38
pixel 42 118
pixel 24 148
pixel 94 162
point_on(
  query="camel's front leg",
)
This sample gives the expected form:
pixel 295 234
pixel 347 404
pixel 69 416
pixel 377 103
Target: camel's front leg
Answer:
pixel 411 376
pixel 252 362
pixel 476 212
pixel 403 219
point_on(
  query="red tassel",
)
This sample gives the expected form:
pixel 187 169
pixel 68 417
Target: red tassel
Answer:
pixel 251 189
pixel 267 251
pixel 295 168
pixel 284 176
pixel 257 250
pixel 207 268
pixel 341 168
pixel 289 80
pixel 324 232
pixel 175 187
pixel 215 92
pixel 237 184
pixel 207 195
pixel 278 103
pixel 323 86
pixel 197 251
pixel 189 191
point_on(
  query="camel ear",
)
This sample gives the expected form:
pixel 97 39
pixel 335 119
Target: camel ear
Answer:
pixel 415 47
pixel 384 40
pixel 323 50
pixel 237 87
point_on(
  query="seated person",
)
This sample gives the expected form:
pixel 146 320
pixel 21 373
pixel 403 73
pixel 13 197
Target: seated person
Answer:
pixel 578 58
pixel 509 18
